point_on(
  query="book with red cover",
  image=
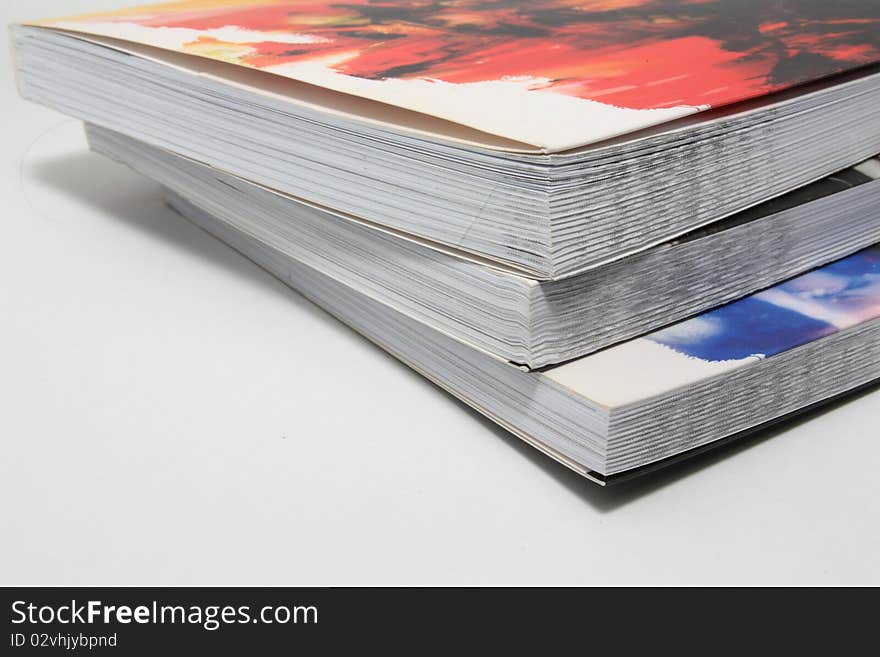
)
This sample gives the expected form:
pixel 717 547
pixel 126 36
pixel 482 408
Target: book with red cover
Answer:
pixel 552 74
pixel 549 136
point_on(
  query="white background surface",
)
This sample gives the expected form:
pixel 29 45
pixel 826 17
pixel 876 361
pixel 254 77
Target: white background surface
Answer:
pixel 171 414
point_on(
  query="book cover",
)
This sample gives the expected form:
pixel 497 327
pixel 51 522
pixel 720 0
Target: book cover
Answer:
pixel 554 74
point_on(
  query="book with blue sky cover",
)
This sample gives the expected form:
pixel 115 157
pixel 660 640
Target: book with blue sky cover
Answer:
pixel 650 400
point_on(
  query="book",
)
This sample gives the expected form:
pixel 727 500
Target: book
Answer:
pixel 550 137
pixel 522 320
pixel 626 232
pixel 646 402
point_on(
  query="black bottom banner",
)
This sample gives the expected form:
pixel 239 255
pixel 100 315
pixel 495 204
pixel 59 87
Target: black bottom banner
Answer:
pixel 151 621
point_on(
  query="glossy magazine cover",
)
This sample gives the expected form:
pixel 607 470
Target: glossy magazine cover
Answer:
pixel 569 72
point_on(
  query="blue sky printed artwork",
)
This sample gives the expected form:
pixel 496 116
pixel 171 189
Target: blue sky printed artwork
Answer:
pixel 795 312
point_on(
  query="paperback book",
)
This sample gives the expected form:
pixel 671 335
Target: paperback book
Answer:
pixel 646 402
pixel 522 320
pixel 549 136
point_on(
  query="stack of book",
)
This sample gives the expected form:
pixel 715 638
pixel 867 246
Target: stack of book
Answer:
pixel 625 231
